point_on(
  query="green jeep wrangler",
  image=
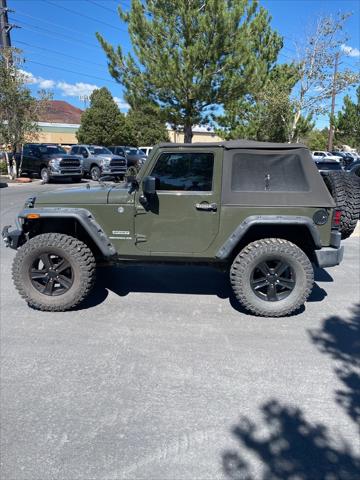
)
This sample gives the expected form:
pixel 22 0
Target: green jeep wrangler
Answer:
pixel 261 210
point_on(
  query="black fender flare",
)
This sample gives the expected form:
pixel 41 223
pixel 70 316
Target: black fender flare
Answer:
pixel 83 216
pixel 227 247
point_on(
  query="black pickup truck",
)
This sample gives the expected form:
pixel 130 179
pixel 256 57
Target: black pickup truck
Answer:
pixel 49 161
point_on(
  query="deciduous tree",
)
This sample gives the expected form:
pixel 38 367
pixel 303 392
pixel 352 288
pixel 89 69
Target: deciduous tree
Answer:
pixel 19 110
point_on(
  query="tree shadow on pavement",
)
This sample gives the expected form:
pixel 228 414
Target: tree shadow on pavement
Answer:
pixel 292 447
pixel 340 338
pixel 172 279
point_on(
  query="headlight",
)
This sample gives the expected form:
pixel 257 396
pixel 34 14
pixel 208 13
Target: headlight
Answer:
pixel 54 162
pixel 105 162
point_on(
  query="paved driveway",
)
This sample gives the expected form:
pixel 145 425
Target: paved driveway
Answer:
pixel 161 376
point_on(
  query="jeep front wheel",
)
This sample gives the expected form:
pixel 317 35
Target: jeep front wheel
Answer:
pixel 54 272
pixel 272 277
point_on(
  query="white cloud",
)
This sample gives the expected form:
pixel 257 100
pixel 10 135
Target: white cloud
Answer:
pixel 33 80
pixel 78 89
pixel 46 83
pixel 350 51
pixel 121 103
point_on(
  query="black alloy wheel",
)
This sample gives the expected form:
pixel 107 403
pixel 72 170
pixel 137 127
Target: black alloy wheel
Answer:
pixel 273 280
pixel 51 274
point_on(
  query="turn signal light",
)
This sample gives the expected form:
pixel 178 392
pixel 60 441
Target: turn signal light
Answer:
pixel 336 218
pixel 32 216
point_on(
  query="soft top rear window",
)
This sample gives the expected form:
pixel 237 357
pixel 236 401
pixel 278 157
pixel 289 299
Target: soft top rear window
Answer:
pixel 273 172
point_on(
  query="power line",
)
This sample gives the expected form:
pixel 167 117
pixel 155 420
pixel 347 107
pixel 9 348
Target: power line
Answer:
pixel 102 6
pixel 78 59
pixel 72 71
pixel 50 23
pixel 83 15
pixel 57 36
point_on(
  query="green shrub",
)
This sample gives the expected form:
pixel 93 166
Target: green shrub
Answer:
pixel 3 167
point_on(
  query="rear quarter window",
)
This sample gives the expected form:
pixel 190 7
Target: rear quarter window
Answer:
pixel 273 172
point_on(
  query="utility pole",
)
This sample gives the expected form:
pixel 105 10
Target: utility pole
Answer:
pixel 5 27
pixel 333 95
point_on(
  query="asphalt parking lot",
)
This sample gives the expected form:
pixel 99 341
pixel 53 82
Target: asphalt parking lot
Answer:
pixel 160 375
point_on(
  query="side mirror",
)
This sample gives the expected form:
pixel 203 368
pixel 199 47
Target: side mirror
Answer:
pixel 149 185
pixel 85 154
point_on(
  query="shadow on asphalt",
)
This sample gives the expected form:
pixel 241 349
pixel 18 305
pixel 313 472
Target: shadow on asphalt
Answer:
pixel 178 279
pixel 289 446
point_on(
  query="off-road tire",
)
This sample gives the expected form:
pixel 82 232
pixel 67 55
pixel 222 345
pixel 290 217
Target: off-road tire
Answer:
pixel 44 175
pixel 95 173
pixel 74 251
pixel 353 191
pixel 345 190
pixel 265 250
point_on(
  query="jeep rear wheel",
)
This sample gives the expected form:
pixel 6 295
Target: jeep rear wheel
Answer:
pixel 271 277
pixel 54 272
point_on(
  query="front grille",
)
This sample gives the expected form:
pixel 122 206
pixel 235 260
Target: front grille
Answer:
pixel 117 163
pixel 70 162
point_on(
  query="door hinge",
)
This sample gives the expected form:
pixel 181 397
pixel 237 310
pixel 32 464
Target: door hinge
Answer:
pixel 140 238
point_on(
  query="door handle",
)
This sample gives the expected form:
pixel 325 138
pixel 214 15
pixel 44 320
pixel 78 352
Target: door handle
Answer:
pixel 212 207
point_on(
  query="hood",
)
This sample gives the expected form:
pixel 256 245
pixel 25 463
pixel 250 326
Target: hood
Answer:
pixel 75 196
pixel 108 157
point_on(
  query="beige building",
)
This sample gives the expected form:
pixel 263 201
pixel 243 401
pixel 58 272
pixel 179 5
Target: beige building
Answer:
pixel 62 120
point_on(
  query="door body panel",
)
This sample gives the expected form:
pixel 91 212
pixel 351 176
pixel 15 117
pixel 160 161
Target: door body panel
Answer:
pixel 172 224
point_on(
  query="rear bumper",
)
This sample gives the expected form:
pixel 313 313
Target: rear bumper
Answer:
pixel 329 256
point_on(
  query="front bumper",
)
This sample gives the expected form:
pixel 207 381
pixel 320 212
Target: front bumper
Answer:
pixel 12 238
pixel 113 171
pixel 65 173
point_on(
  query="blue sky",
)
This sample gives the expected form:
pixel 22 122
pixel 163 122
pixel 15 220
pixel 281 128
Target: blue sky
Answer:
pixel 62 53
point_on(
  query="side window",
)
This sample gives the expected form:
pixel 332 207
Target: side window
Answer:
pixel 26 150
pixel 184 171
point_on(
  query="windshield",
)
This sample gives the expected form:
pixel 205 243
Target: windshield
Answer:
pixel 99 151
pixel 51 150
pixel 134 151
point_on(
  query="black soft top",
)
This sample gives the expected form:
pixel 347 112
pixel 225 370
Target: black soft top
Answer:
pixel 267 174
pixel 236 144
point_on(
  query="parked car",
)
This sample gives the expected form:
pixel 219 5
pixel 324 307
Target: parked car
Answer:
pixel 260 211
pixel 49 161
pixel 346 157
pixel 99 161
pixel 355 168
pixel 146 150
pixel 322 155
pixel 135 157
pixel 328 165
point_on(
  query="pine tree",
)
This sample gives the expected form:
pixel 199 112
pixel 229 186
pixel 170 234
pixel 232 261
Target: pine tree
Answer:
pixel 348 122
pixel 191 56
pixel 102 123
pixel 146 126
